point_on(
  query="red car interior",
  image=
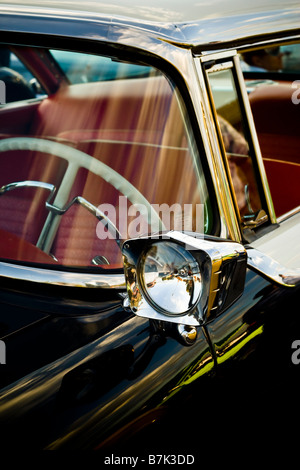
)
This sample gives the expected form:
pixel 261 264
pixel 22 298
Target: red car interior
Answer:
pixel 276 119
pixel 111 123
pixel 135 127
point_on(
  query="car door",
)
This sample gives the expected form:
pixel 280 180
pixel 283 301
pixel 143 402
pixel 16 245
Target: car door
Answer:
pixel 253 339
pixel 85 364
pixel 263 324
pixel 76 366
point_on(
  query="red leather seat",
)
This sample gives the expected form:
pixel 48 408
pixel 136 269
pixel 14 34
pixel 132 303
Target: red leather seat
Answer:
pixel 283 180
pixel 276 119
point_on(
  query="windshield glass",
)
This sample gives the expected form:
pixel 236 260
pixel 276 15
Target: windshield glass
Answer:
pixel 106 155
pixel 83 68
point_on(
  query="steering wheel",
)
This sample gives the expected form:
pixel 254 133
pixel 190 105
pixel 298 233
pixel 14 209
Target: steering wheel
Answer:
pixel 76 160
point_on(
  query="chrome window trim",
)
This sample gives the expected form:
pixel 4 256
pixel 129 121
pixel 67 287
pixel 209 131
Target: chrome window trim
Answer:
pixel 255 44
pixel 54 277
pixel 289 214
pixel 232 56
pixel 253 134
pixel 227 213
pixel 226 64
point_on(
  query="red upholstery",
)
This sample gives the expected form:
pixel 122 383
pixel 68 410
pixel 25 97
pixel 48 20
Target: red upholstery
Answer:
pixel 276 119
pixel 283 180
pixel 23 210
pixel 121 104
pixel 15 248
pixel 277 122
pixel 112 122
pixel 17 120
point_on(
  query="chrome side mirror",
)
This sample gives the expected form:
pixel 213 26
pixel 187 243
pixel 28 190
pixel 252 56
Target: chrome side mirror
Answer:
pixel 183 278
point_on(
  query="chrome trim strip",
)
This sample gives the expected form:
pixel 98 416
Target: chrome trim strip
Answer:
pixel 232 57
pixel 228 216
pixel 61 278
pixel 267 266
pixel 27 184
pixel 218 55
pixel 289 214
pixel 255 142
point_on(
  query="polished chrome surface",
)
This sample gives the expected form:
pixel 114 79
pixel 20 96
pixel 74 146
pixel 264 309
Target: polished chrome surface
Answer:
pixel 27 184
pixel 188 333
pixel 289 214
pixel 230 60
pixel 60 278
pixel 254 138
pixel 229 222
pixel 100 259
pixel 189 22
pixel 211 256
pixel 254 220
pixel 156 10
pixel 273 270
pixel 171 278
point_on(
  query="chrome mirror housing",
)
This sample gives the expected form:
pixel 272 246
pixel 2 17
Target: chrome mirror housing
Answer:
pixel 182 278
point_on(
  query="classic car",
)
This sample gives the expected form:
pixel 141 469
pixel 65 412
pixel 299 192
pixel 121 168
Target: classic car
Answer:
pixel 149 225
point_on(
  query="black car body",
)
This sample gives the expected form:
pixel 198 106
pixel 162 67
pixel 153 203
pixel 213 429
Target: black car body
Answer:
pixel 168 326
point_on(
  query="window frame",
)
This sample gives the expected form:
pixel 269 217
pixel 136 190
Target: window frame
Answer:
pixel 90 276
pixel 219 59
pixel 273 76
pixel 285 74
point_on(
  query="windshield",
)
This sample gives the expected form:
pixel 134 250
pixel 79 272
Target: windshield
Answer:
pixel 83 68
pixel 106 154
